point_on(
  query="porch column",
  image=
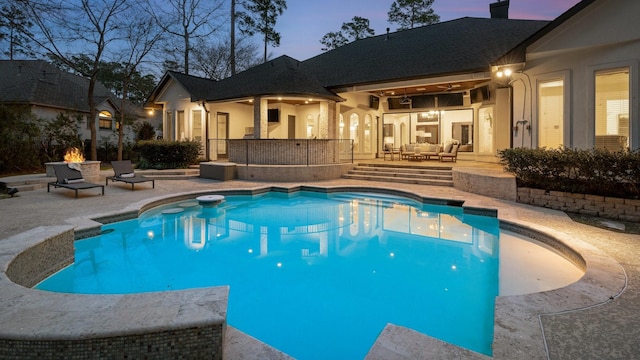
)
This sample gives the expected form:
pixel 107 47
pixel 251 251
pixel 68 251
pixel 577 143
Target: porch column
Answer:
pixel 323 121
pixel 260 118
pixel 502 122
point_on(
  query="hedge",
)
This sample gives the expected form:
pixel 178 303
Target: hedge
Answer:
pixel 163 154
pixel 595 171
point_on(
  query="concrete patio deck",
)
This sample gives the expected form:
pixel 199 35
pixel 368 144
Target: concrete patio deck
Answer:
pixel 601 331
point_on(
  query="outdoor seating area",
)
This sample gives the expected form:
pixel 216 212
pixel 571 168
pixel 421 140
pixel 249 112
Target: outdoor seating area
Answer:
pixel 423 152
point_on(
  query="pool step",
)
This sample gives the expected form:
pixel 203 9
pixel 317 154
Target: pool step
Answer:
pixel 437 175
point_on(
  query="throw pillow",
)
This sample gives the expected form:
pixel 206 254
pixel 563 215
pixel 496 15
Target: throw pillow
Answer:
pixel 448 148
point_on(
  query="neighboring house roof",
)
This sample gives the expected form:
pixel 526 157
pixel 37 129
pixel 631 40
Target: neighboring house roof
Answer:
pixel 280 76
pixel 36 82
pixel 459 46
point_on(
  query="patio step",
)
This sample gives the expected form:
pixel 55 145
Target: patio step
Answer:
pixel 27 182
pixel 437 176
pixel 173 174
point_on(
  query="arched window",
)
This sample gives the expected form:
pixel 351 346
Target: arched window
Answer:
pixel 105 120
pixel 354 124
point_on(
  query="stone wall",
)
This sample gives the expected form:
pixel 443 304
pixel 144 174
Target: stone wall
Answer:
pixel 607 207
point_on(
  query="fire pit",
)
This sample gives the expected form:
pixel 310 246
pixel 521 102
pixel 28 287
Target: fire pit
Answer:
pixel 90 169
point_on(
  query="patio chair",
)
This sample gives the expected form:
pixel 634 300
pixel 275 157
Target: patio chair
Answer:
pixel 72 179
pixel 390 150
pixel 123 171
pixel 451 154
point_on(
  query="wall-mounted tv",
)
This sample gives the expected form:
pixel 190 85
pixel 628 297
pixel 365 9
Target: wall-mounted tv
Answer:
pixel 479 94
pixel 374 102
pixel 273 115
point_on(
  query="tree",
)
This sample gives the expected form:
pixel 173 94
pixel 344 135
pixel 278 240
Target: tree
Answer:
pixel 332 40
pixel 89 27
pixel 260 16
pixel 14 27
pixel 232 37
pixel 188 20
pixel 214 61
pixel 141 37
pixel 411 13
pixel 357 28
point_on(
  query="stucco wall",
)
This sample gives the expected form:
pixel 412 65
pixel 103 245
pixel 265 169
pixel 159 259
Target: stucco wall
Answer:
pixel 599 37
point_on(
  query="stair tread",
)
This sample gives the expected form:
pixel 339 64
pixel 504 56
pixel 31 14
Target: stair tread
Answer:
pixel 406 175
pixel 400 179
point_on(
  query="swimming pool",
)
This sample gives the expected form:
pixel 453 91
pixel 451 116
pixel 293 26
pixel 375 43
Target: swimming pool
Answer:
pixel 315 275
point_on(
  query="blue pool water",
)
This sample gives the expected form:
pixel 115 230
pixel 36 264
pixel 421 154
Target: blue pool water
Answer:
pixel 315 275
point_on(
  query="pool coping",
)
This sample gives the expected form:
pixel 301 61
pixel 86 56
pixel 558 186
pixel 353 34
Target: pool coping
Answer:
pixel 517 329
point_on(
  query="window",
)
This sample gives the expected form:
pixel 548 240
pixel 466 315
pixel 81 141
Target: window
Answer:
pixel 551 113
pixel 612 109
pixel 169 121
pixel 181 129
pixel 354 120
pixel 367 133
pixel 196 118
pixel 105 120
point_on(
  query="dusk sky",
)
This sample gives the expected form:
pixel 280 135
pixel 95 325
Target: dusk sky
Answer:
pixel 305 22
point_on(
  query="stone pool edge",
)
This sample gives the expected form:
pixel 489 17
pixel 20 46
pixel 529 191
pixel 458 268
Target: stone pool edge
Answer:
pixel 175 315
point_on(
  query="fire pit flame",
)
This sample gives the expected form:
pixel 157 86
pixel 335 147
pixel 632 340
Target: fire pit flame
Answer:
pixel 73 155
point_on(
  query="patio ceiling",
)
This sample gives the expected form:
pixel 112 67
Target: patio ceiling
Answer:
pixel 455 87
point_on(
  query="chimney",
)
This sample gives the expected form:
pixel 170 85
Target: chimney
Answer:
pixel 500 9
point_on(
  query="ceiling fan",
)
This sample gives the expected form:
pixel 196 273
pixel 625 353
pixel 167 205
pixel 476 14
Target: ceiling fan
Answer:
pixel 449 87
pixel 405 100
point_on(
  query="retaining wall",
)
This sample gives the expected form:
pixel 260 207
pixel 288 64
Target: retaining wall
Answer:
pixel 602 206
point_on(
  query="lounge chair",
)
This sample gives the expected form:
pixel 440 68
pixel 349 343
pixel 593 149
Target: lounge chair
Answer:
pixel 124 172
pixel 450 152
pixel 69 178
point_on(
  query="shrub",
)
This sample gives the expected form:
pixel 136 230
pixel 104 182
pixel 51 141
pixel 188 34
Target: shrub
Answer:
pixel 163 154
pixel 595 171
pixel 20 135
pixel 144 131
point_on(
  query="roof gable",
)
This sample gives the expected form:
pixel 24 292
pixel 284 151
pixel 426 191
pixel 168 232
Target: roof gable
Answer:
pixel 589 23
pixel 280 76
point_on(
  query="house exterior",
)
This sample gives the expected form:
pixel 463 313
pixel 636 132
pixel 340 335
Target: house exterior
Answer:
pixel 49 91
pixel 486 83
pixel 579 84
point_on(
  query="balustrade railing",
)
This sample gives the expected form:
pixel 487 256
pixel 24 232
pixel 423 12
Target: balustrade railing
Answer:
pixel 285 151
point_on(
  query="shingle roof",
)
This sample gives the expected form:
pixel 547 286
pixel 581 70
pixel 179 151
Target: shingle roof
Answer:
pixel 459 46
pixel 280 76
pixel 37 82
pixel 453 47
